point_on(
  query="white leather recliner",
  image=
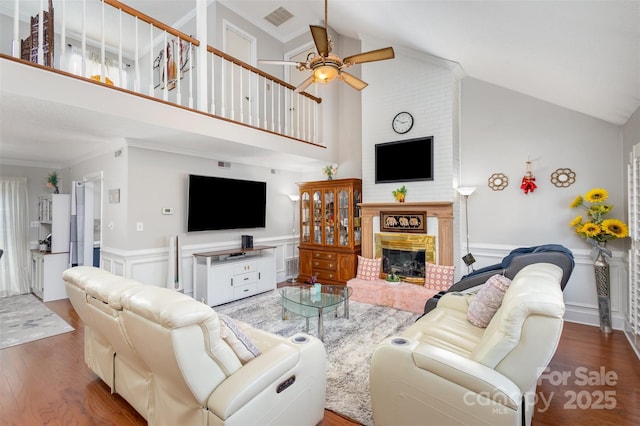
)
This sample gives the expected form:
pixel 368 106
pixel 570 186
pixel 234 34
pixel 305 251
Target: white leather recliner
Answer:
pixel 96 296
pixel 164 353
pixel 443 370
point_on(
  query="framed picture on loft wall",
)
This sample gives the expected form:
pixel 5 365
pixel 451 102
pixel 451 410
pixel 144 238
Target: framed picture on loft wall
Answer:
pixel 176 61
pixel 415 222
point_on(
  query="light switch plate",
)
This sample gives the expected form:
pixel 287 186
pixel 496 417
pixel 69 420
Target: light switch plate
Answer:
pixel 114 196
pixel 167 210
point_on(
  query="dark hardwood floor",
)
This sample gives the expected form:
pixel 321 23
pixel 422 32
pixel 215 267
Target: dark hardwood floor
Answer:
pixel 47 382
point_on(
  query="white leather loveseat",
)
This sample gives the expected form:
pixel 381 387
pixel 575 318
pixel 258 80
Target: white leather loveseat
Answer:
pixel 444 370
pixel 165 353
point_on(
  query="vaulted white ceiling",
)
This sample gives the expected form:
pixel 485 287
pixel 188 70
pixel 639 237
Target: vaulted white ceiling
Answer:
pixel 582 55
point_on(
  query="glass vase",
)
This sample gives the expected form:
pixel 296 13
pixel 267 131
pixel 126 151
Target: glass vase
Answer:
pixel 603 288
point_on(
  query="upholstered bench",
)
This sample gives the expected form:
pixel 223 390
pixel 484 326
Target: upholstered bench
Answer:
pixel 404 296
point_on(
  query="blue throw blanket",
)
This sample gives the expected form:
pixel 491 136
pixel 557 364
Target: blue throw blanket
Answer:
pixel 520 251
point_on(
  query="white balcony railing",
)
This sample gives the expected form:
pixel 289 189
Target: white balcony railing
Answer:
pixel 110 42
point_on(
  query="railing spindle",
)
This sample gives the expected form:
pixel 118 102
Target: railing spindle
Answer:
pixel 240 97
pixel 223 86
pixel 165 63
pixel 83 42
pixel 103 65
pixel 120 64
pixel 63 37
pixel 232 92
pixel 151 60
pixel 213 84
pixel 190 75
pixel 15 44
pixel 279 107
pixel 136 83
pixel 178 73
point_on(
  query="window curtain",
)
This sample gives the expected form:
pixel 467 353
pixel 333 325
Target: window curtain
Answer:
pixel 93 67
pixel 15 263
pixel 76 252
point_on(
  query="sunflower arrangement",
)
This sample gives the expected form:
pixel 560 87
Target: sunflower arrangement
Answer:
pixel 597 227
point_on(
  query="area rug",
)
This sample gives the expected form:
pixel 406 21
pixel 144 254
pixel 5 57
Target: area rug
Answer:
pixel 349 344
pixel 24 318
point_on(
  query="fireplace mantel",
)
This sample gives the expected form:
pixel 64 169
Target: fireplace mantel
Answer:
pixel 441 210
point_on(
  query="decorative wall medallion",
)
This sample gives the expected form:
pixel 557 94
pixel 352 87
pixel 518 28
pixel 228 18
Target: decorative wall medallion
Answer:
pixel 498 181
pixel 563 178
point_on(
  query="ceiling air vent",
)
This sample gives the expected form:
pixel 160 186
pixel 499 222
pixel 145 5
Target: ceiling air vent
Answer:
pixel 279 16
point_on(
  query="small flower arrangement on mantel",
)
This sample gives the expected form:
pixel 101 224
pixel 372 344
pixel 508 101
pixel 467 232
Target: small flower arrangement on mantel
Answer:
pixel 330 171
pixel 393 277
pixel 400 194
pixel 52 182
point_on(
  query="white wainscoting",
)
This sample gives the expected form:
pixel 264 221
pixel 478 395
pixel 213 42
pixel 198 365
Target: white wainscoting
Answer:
pixel 580 293
pixel 150 266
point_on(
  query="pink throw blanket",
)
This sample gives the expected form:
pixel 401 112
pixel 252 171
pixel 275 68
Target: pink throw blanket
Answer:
pixel 404 296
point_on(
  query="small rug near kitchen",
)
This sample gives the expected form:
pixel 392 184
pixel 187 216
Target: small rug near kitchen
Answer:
pixel 24 318
pixel 349 344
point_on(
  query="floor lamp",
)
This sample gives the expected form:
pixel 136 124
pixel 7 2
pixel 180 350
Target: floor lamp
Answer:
pixel 294 199
pixel 465 191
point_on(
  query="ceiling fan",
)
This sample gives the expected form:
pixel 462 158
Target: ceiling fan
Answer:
pixel 325 66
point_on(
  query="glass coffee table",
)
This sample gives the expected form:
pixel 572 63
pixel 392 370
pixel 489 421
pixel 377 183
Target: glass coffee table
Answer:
pixel 302 300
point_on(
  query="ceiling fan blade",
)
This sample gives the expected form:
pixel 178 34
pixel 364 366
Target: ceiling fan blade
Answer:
pixel 371 56
pixel 274 62
pixel 320 39
pixel 352 80
pixel 304 84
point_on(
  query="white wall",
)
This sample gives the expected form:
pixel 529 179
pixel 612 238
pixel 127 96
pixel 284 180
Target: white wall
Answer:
pixel 160 179
pixel 113 166
pixel 500 130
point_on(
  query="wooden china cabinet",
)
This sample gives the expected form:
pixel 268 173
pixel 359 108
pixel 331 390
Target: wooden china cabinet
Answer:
pixel 330 230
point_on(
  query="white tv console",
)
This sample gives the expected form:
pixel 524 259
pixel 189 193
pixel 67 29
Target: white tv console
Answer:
pixel 227 275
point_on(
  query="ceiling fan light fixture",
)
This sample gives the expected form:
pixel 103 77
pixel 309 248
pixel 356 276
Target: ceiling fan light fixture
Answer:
pixel 325 73
pixel 325 66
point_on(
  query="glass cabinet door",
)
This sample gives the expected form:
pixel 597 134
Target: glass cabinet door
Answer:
pixel 343 217
pixel 357 199
pixel 317 217
pixel 305 217
pixel 329 217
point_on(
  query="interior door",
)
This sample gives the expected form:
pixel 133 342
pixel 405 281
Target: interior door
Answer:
pixel 241 46
pixel 297 121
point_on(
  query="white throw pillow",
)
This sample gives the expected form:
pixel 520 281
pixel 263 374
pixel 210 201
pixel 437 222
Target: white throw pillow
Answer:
pixel 240 343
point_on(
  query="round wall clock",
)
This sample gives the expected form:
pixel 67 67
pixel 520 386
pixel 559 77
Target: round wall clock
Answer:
pixel 402 122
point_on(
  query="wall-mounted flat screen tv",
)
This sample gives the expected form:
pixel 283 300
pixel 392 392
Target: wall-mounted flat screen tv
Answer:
pixel 404 161
pixel 217 203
